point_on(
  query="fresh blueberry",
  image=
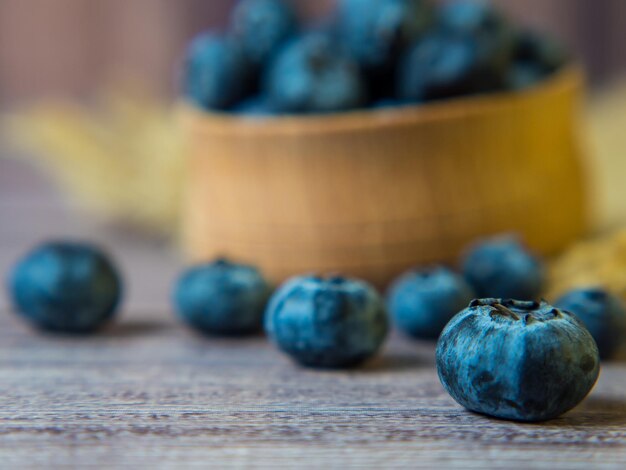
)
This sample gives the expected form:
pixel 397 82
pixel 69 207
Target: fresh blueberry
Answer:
pixel 255 107
pixel 602 313
pixel 375 32
pixel 469 52
pixel 440 66
pixel 66 287
pixel 217 73
pixel 423 301
pixel 534 48
pixel 334 322
pixel 515 360
pixel 222 298
pixel 535 57
pixel 261 26
pixel 310 75
pixel 523 75
pixel 502 267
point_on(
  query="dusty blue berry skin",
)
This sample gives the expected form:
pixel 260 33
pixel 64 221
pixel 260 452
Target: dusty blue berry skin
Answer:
pixel 602 313
pixel 261 26
pixel 311 75
pixel 502 267
pixel 374 31
pixel 222 298
pixel 521 361
pixel 217 74
pixel 423 301
pixel 327 323
pixel 66 287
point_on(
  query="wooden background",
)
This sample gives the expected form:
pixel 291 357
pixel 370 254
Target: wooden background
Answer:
pixel 148 393
pixel 70 46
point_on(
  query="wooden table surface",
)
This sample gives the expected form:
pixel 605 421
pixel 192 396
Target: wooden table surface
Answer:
pixel 147 392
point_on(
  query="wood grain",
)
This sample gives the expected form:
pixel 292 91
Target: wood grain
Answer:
pixel 373 193
pixel 148 393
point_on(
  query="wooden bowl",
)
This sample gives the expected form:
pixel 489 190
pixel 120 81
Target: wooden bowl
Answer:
pixel 372 193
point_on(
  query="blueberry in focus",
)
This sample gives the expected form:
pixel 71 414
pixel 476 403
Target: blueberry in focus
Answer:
pixel 261 26
pixel 375 32
pixel 222 298
pixel 521 361
pixel 602 313
pixel 328 323
pixel 502 267
pixel 423 301
pixel 66 287
pixel 217 74
pixel 310 75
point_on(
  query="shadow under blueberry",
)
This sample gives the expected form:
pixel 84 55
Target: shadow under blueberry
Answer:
pixel 393 362
pixel 595 412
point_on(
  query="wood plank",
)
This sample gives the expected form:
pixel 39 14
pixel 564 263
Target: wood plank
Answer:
pixel 147 392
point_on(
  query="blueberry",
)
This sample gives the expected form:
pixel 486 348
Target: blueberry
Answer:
pixel 255 107
pixel 535 57
pixel 217 73
pixel 602 313
pixel 66 287
pixel 261 26
pixel 522 75
pixel 515 360
pixel 334 322
pixel 469 52
pixel 222 298
pixel 502 267
pixel 374 32
pixel 440 66
pixel 310 75
pixel 423 301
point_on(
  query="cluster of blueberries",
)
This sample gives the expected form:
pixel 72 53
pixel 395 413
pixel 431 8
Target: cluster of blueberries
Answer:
pixel 515 359
pixel 370 53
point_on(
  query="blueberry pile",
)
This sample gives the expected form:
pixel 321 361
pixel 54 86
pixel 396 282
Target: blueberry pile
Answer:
pixel 522 359
pixel 369 53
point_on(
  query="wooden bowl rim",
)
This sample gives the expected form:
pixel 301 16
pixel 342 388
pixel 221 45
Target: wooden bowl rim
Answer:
pixel 569 77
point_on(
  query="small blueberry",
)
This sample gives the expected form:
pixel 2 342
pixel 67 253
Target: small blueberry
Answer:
pixel 66 287
pixel 310 75
pixel 423 301
pixel 502 268
pixel 222 298
pixel 217 74
pixel 333 322
pixel 261 26
pixel 516 360
pixel 602 313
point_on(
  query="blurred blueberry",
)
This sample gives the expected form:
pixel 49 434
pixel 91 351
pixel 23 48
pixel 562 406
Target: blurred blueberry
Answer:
pixel 502 267
pixel 515 360
pixel 602 313
pixel 469 52
pixel 423 301
pixel 333 322
pixel 375 32
pixel 256 107
pixel 440 66
pixel 217 73
pixel 310 75
pixel 522 75
pixel 66 287
pixel 222 298
pixel 535 58
pixel 261 26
